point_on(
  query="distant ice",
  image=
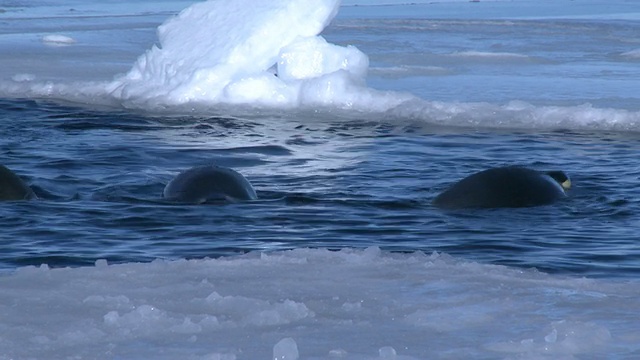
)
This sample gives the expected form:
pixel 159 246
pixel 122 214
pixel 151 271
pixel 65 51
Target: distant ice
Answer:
pixel 518 114
pixel 58 40
pixel 313 304
pixel 490 55
pixel 404 2
pixel 235 56
pixel 408 70
pixel 635 54
pixel 23 77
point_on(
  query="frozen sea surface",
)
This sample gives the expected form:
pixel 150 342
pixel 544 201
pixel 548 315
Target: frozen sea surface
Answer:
pixel 314 304
pixel 348 119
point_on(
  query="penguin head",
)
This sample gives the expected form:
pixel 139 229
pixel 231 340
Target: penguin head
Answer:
pixel 561 178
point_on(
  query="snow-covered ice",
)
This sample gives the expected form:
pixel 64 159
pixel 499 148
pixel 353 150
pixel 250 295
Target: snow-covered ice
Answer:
pixel 312 304
pixel 222 51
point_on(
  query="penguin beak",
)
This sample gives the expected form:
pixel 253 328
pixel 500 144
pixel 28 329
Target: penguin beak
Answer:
pixel 566 185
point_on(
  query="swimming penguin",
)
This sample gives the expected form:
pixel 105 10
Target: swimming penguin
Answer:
pixel 12 187
pixel 210 182
pixel 505 187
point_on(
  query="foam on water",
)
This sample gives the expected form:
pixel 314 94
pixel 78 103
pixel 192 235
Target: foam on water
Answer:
pixel 239 54
pixel 312 303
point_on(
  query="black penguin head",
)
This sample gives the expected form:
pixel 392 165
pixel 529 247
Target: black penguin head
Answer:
pixel 561 178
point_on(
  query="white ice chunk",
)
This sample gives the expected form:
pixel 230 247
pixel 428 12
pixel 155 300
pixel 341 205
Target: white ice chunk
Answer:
pixel 251 311
pixel 285 349
pixel 213 44
pixel 635 54
pixel 58 40
pixel 387 353
pixel 314 56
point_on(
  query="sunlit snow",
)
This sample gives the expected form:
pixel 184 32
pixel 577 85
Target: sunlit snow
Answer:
pixel 305 303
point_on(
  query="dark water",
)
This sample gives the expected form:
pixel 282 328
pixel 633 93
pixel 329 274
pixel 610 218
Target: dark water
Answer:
pixel 324 180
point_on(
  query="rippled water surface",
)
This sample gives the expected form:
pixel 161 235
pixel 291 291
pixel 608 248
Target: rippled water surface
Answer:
pixel 322 180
